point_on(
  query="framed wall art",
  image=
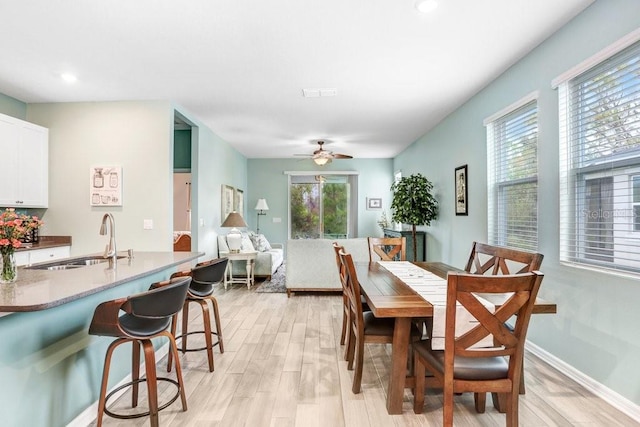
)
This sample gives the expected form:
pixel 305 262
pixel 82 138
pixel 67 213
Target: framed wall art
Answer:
pixel 374 203
pixel 238 201
pixel 105 187
pixel 462 195
pixel 228 193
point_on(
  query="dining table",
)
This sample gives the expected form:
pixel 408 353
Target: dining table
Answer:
pixel 389 296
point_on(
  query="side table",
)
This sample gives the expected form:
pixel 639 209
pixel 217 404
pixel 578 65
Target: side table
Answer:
pixel 249 257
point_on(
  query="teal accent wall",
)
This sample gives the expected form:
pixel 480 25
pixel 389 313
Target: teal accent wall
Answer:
pixel 182 149
pixel 595 330
pixel 266 180
pixel 12 107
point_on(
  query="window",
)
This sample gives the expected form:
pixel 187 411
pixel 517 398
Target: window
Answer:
pixel 321 206
pixel 600 164
pixel 512 158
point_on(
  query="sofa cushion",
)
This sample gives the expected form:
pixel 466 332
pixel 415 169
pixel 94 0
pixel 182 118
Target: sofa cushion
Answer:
pixel 260 243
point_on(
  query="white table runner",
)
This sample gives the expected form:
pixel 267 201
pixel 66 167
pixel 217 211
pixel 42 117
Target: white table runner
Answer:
pixel 434 289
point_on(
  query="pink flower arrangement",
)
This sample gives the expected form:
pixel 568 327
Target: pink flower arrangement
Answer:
pixel 13 227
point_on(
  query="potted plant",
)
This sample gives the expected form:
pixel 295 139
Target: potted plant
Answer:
pixel 413 203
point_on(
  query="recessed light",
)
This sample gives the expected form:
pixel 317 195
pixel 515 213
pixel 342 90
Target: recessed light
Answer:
pixel 426 6
pixel 68 77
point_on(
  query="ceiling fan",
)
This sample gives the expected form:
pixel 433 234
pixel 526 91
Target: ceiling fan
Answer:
pixel 323 157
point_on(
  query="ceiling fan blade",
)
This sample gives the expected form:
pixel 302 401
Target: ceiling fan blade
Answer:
pixel 342 156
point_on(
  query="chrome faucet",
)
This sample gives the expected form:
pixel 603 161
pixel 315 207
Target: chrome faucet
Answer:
pixel 109 250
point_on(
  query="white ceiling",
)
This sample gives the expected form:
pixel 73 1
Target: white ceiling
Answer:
pixel 240 66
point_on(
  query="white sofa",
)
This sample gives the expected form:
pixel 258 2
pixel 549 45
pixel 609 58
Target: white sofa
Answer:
pixel 267 262
pixel 311 263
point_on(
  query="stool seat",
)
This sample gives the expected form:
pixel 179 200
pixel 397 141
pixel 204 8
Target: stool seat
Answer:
pixel 146 315
pixel 204 276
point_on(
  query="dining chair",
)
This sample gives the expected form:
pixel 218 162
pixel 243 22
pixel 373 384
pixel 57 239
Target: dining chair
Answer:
pixel 387 248
pixel 496 260
pixel 462 367
pixel 147 315
pixel 363 326
pixel 204 276
pixel 344 337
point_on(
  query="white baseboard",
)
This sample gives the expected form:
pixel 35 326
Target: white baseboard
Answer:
pixel 611 397
pixel 88 416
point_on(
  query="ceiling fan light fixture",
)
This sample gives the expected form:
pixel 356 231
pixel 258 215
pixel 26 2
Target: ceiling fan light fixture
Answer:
pixel 426 6
pixel 321 161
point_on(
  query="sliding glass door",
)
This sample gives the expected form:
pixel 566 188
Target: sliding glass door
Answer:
pixel 320 206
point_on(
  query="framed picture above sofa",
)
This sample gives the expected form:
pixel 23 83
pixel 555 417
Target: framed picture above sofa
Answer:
pixel 228 194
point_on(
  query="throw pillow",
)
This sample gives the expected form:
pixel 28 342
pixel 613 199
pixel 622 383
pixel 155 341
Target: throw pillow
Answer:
pixel 262 244
pixel 247 244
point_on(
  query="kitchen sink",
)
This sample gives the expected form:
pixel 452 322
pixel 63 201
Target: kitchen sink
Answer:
pixel 71 263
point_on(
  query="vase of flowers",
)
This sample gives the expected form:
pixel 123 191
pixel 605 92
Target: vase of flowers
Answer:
pixel 13 228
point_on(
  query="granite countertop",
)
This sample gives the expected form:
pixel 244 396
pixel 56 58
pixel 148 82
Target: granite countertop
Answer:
pixel 46 242
pixel 41 289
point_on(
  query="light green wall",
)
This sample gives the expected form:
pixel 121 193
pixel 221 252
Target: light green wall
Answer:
pixel 266 180
pixel 595 330
pixel 12 107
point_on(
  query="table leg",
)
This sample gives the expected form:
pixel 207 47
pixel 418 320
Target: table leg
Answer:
pixel 248 268
pixel 398 371
pixel 228 274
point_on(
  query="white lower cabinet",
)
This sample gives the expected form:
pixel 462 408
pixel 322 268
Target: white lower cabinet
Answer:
pixel 42 255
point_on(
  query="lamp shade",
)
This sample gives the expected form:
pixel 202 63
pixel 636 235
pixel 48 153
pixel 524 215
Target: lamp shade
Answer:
pixel 262 205
pixel 234 220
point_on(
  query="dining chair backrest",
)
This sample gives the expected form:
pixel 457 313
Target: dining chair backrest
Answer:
pixel 341 269
pixel 495 260
pixel 352 288
pixel 387 248
pixel 463 289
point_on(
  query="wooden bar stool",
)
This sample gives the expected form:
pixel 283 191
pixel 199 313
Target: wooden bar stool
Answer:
pixel 147 315
pixel 204 276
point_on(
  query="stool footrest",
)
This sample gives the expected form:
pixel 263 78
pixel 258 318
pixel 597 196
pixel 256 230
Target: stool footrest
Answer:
pixel 140 414
pixel 196 349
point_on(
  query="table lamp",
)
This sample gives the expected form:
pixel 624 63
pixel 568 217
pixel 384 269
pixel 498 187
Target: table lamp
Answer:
pixel 234 237
pixel 261 207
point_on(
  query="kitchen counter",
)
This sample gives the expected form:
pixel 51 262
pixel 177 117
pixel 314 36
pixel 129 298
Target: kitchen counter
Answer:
pixel 42 289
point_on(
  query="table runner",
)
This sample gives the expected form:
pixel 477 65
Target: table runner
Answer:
pixel 434 290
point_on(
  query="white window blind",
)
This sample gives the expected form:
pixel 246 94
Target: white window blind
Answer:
pixel 512 158
pixel 600 164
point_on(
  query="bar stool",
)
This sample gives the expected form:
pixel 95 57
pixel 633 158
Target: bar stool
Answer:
pixel 147 315
pixel 204 276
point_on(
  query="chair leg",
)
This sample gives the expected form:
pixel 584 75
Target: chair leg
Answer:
pixel 347 341
pixel 447 410
pixel 351 348
pixel 135 371
pixel 357 375
pixel 480 401
pixel 173 348
pixel 216 316
pixel 521 388
pixel 206 320
pixel 152 382
pixel 185 322
pixel 418 391
pixel 174 324
pixel 343 333
pixel 105 379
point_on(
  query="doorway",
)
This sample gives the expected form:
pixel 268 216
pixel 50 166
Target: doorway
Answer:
pixel 182 184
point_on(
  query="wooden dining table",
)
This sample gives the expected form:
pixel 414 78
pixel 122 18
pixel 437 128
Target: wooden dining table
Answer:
pixel 388 296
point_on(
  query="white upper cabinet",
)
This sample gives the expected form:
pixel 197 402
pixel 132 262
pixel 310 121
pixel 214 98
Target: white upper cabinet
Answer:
pixel 24 175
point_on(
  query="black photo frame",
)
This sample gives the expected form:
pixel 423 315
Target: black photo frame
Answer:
pixel 461 190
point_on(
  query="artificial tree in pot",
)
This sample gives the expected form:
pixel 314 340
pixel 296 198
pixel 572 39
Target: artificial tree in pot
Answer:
pixel 413 203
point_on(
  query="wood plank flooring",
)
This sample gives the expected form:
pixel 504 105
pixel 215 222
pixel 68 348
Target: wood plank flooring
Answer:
pixel 283 367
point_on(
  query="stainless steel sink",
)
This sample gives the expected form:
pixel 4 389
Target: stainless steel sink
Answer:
pixel 71 263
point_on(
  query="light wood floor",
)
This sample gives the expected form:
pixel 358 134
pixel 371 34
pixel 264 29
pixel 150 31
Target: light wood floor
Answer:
pixel 283 366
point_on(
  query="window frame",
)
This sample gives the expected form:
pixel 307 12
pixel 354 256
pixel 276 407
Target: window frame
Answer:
pixel 498 184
